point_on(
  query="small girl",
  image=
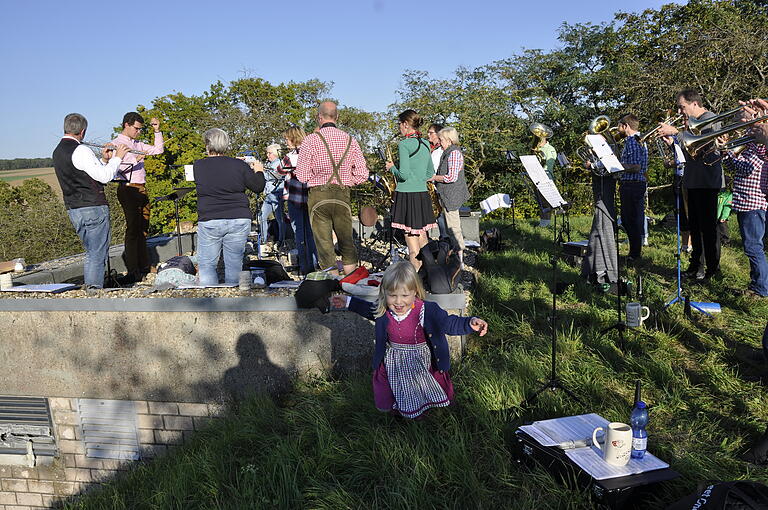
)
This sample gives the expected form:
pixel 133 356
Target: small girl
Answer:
pixel 411 359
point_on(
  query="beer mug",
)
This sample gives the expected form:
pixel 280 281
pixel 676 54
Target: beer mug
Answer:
pixel 618 443
pixel 636 314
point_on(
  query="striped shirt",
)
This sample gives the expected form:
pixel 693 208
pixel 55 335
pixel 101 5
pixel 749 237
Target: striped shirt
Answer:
pixel 634 153
pixel 314 165
pixel 749 170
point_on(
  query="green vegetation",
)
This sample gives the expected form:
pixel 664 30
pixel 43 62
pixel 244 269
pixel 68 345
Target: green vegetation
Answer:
pixel 22 163
pixel 325 446
pixel 12 178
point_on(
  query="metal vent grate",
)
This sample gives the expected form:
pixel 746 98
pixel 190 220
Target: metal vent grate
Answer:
pixel 109 428
pixel 24 420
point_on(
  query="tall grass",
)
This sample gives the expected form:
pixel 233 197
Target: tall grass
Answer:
pixel 325 446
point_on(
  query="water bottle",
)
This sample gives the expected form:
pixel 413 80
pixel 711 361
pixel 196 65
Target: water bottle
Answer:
pixel 638 420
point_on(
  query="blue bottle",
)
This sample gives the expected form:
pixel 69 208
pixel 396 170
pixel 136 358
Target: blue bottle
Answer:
pixel 638 420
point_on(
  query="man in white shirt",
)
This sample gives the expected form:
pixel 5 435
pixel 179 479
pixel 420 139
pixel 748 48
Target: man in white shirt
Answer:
pixel 82 177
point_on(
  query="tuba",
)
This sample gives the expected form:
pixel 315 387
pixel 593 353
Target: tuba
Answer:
pixel 541 132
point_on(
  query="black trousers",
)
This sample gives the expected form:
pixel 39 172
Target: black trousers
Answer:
pixel 702 220
pixel 632 194
pixel 135 202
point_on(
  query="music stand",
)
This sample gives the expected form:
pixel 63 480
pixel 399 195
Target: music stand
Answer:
pixel 176 195
pixel 544 185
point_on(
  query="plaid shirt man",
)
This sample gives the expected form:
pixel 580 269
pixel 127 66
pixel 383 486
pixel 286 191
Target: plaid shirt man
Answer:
pixel 314 166
pixel 634 153
pixel 749 169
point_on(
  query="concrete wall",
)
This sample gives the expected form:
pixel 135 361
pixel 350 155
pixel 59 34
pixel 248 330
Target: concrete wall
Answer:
pixel 181 350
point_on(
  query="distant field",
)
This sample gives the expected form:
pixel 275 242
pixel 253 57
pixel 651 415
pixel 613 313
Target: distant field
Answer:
pixel 16 177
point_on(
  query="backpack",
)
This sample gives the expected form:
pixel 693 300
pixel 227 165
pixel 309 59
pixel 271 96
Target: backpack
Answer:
pixel 739 495
pixel 440 266
pixel 490 240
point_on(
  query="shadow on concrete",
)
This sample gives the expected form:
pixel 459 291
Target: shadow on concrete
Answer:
pixel 254 371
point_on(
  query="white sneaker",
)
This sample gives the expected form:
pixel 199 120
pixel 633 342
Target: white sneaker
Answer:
pixel 645 241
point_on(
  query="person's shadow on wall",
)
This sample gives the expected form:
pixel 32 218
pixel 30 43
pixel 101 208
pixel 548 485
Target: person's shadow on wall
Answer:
pixel 255 373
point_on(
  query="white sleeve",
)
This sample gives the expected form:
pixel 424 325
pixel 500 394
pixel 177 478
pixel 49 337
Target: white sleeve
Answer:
pixel 84 159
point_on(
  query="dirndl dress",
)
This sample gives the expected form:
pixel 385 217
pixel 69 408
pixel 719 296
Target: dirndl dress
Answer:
pixel 406 383
pixel 412 212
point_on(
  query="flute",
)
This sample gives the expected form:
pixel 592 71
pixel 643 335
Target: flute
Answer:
pixel 112 147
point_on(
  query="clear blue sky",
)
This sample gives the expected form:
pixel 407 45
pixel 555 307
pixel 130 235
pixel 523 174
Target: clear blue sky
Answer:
pixel 103 59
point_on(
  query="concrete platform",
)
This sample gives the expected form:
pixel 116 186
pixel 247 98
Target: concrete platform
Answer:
pixel 181 350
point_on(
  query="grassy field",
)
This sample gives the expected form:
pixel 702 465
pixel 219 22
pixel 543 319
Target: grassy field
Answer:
pixel 325 446
pixel 47 175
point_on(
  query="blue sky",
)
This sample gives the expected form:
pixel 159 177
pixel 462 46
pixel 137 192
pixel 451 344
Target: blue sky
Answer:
pixel 102 59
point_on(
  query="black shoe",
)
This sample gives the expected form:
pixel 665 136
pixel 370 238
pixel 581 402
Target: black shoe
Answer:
pixel 758 454
pixel 694 274
pixel 710 275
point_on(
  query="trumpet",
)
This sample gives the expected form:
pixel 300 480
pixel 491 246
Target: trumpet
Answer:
pixel 694 144
pixel 695 126
pixel 669 120
pixel 111 147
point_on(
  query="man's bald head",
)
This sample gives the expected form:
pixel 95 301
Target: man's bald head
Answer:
pixel 328 111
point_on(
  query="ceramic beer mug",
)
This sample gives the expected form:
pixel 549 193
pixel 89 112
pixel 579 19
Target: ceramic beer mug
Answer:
pixel 636 314
pixel 618 443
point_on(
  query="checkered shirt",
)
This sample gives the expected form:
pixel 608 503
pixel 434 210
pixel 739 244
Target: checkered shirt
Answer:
pixel 298 193
pixel 750 172
pixel 455 164
pixel 314 166
pixel 634 153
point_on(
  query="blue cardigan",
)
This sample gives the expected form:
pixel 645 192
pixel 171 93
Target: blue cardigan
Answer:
pixel 437 323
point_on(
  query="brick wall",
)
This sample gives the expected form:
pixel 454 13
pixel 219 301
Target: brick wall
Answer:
pixel 162 427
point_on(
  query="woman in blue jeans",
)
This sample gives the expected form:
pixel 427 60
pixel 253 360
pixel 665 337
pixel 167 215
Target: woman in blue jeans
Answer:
pixel 223 215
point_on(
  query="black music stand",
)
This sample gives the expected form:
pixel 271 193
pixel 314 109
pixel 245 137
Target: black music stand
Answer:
pixel 554 382
pixel 178 194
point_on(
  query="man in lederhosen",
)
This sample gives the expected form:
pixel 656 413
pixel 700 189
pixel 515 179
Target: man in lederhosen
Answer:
pixel 330 162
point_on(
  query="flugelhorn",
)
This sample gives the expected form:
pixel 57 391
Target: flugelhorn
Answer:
pixel 669 120
pixel 112 147
pixel 695 143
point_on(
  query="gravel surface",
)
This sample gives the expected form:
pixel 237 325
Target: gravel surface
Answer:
pixel 371 253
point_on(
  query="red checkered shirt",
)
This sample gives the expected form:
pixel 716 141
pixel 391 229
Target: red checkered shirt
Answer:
pixel 749 169
pixel 314 166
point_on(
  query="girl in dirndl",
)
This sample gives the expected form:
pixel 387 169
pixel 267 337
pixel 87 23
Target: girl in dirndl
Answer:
pixel 411 358
pixel 411 204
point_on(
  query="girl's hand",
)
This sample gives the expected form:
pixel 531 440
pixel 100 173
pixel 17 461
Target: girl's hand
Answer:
pixel 479 325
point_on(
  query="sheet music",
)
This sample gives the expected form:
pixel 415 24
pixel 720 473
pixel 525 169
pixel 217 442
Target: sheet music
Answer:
pixel 561 430
pixel 494 202
pixel 604 152
pixel 557 431
pixel 189 174
pixel 542 181
pixel 591 460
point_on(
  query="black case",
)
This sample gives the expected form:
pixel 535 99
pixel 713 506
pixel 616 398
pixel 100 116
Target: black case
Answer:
pixel 615 494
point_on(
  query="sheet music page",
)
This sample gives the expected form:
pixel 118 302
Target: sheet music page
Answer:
pixel 561 430
pixel 605 153
pixel 591 461
pixel 494 202
pixel 542 181
pixel 189 173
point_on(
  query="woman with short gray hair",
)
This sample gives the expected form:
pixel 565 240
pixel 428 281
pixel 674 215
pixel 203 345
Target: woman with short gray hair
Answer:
pixel 451 185
pixel 223 214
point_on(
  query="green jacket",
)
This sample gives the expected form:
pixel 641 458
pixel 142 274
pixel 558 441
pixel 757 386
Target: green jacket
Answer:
pixel 412 172
pixel 724 203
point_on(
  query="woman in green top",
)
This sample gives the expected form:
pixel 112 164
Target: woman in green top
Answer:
pixel 548 156
pixel 411 205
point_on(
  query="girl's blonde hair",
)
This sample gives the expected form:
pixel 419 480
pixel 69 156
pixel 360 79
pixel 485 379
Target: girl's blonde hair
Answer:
pixel 399 274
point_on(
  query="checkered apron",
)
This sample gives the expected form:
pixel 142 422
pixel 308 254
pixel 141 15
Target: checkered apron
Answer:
pixel 408 367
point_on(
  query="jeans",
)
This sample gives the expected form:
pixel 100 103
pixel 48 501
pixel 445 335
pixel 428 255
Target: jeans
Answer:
pixel 212 235
pixel 632 195
pixel 752 228
pixel 442 226
pixel 273 203
pixel 92 227
pixel 305 241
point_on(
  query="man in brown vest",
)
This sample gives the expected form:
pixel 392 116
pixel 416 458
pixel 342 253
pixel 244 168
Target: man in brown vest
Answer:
pixel 330 162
